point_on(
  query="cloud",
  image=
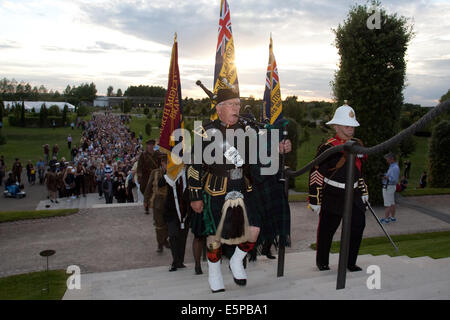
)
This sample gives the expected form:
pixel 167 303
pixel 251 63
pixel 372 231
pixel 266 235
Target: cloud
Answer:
pixel 9 44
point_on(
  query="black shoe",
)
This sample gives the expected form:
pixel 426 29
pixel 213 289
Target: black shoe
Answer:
pixel 180 266
pixel 354 268
pixel 240 282
pixel 172 268
pixel 216 291
pixel 252 255
pixel 323 267
pixel 198 270
pixel 270 256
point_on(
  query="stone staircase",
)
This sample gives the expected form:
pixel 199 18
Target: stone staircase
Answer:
pixel 401 278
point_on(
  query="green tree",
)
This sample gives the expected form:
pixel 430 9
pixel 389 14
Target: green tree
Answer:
pixel 22 114
pixel 440 156
pixel 127 106
pixel 110 91
pixel 371 77
pixel 147 91
pixel 148 129
pixel 445 96
pixel 64 114
pixel 119 92
pixel 2 138
pixel 54 110
pixel 43 116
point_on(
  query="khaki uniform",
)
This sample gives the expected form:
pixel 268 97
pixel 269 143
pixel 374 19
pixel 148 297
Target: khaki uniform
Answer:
pixel 155 197
pixel 146 163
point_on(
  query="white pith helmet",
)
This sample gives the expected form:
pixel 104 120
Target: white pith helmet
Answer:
pixel 344 116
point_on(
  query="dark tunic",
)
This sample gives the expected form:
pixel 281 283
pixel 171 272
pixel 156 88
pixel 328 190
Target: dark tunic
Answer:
pixel 327 189
pixel 211 183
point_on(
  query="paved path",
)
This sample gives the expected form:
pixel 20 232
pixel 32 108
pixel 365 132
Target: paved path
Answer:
pixel 118 238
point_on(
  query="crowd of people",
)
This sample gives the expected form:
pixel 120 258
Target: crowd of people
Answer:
pixel 102 162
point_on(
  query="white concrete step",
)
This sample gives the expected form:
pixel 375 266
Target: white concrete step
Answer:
pixel 401 278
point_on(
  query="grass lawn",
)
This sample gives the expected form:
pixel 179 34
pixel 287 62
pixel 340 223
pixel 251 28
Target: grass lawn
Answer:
pixel 425 192
pixel 8 216
pixel 137 124
pixel 26 143
pixel 298 197
pixel 434 244
pixel 29 286
pixel 305 154
pixel 419 162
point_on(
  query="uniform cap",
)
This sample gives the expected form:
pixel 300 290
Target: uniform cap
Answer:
pixel 226 94
pixel 344 116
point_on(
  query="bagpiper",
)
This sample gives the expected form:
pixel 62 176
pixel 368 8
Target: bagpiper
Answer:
pixel 219 194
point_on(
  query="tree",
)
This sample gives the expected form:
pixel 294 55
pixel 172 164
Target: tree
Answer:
pixel 22 114
pixel 64 114
pixel 371 77
pixel 2 138
pixel 445 96
pixel 43 115
pixel 147 91
pixel 440 156
pixel 127 106
pixel 119 92
pixel 110 91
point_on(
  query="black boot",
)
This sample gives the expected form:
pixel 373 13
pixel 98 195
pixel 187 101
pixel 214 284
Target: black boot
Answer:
pixel 266 250
pixel 252 255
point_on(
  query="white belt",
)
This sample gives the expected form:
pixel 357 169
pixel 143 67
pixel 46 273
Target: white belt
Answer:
pixel 338 184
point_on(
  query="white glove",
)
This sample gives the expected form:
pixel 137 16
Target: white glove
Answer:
pixel 365 198
pixel 315 208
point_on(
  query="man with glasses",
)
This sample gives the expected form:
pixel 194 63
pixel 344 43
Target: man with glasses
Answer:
pixel 219 194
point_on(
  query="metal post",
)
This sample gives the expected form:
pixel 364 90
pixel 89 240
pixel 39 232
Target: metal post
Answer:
pixel 48 279
pixel 282 244
pixel 347 217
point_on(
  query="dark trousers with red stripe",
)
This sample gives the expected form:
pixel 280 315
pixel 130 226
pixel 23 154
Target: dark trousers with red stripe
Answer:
pixel 328 224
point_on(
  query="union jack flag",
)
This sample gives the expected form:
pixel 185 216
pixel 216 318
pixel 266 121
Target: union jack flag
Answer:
pixel 225 32
pixel 225 74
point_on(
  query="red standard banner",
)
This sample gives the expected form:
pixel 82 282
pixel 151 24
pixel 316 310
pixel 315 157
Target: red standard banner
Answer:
pixel 172 117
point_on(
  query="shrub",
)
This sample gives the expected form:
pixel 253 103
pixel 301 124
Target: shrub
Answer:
pixel 440 155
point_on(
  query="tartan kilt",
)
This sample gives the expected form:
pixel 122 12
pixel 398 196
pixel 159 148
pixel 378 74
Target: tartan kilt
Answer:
pixel 216 203
pixel 269 203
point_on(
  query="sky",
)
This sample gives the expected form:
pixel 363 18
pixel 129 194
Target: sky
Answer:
pixel 119 43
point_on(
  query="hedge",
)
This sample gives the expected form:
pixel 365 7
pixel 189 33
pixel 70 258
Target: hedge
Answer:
pixel 34 121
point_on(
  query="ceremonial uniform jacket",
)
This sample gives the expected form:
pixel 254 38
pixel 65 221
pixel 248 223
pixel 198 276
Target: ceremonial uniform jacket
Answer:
pixel 327 180
pixel 218 179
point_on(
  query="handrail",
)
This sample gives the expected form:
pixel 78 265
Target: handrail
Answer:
pixel 430 115
pixel 352 148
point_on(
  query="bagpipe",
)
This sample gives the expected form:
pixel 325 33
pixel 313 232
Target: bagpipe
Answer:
pixel 248 120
